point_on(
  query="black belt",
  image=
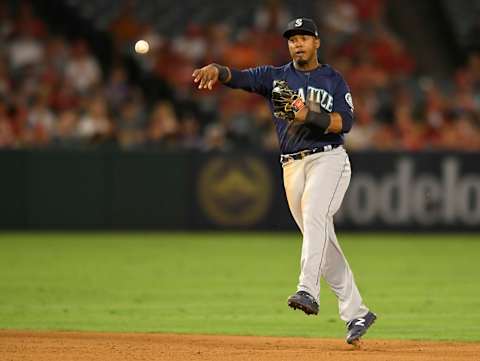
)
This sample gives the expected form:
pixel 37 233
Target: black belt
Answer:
pixel 284 158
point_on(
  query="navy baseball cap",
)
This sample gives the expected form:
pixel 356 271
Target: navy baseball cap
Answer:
pixel 301 26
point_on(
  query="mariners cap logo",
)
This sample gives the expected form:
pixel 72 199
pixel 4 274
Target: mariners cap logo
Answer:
pixel 301 26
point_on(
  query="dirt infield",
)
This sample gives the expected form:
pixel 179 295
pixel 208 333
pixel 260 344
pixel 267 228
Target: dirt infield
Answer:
pixel 79 346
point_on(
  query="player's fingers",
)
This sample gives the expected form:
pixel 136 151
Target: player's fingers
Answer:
pixel 202 82
pixel 204 76
pixel 199 78
pixel 214 81
pixel 195 73
pixel 200 74
pixel 208 78
pixel 210 84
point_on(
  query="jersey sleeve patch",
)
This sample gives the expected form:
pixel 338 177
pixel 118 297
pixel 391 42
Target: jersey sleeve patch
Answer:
pixel 349 100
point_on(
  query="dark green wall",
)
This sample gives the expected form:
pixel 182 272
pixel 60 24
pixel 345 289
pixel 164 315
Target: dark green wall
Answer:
pixel 189 191
pixel 92 190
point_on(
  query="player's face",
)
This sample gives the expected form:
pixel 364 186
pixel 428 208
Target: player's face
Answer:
pixel 303 48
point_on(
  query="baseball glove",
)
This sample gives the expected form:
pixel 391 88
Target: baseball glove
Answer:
pixel 285 101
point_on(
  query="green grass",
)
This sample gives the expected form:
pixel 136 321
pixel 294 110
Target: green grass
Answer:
pixel 421 286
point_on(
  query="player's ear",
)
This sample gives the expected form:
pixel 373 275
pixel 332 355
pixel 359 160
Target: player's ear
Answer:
pixel 317 43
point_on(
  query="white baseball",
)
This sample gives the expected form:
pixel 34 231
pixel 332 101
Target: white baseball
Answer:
pixel 142 47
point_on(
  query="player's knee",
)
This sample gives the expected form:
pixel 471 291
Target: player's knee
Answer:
pixel 316 220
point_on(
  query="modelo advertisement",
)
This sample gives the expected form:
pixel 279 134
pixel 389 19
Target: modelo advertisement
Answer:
pixel 420 191
pixel 388 191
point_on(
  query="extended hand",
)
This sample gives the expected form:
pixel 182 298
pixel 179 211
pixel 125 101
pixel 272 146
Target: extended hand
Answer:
pixel 206 76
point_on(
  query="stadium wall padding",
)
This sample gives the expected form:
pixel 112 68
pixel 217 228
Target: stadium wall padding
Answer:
pixel 136 190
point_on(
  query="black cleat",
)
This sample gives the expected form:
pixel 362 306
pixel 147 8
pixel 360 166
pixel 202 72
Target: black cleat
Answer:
pixel 304 301
pixel 357 327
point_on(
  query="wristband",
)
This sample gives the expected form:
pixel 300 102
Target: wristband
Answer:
pixel 223 72
pixel 321 120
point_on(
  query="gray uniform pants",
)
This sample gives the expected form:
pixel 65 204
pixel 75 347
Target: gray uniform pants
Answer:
pixel 315 187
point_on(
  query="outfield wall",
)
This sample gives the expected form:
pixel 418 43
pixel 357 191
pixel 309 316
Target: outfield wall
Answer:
pixel 183 191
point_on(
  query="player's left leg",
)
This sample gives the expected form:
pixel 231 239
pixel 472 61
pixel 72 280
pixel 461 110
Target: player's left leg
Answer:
pixel 339 276
pixel 337 273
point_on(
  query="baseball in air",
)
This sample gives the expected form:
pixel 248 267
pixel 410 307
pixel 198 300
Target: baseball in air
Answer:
pixel 142 47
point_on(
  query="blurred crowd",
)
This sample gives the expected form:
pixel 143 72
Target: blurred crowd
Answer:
pixel 55 93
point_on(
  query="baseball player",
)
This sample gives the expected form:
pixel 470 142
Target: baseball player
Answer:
pixel 312 110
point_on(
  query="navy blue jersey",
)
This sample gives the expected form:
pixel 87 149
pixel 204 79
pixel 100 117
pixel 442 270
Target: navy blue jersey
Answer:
pixel 323 85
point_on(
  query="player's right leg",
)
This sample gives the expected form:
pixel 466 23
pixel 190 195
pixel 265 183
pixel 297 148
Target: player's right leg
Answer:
pixel 294 182
pixel 327 177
